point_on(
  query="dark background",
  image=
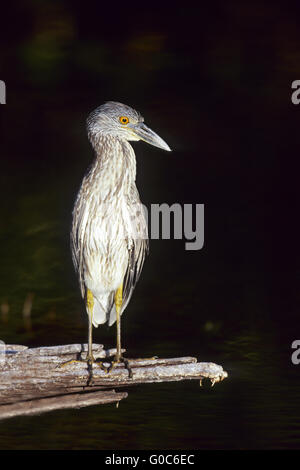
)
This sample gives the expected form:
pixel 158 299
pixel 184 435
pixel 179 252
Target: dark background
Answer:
pixel 215 82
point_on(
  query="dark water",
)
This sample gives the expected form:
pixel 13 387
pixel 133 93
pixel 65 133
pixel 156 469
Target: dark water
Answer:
pixel 215 83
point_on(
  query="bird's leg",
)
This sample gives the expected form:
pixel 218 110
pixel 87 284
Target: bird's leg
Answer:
pixel 89 358
pixel 118 357
pixel 118 303
pixel 90 305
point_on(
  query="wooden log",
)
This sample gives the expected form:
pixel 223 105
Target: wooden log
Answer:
pixel 74 400
pixel 35 380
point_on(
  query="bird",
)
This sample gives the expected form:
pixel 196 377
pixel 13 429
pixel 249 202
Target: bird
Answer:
pixel 109 234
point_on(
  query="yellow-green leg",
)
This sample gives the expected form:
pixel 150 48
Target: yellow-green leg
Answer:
pixel 118 357
pixel 90 305
pixel 89 358
pixel 118 304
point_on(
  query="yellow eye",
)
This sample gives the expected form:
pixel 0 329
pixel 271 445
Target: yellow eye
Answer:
pixel 124 120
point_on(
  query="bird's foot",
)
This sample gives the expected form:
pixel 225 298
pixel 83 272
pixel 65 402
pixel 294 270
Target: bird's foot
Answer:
pixel 89 361
pixel 121 359
pixel 118 359
pixel 102 363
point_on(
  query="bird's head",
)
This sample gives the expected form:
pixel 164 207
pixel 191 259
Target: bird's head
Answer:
pixel 119 120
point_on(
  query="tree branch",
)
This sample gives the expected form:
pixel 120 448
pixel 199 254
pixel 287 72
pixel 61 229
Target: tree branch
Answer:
pixel 35 380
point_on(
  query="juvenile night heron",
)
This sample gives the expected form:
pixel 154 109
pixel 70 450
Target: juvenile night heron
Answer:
pixel 109 238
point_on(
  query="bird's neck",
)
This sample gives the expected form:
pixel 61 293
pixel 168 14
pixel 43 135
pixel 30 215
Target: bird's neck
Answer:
pixel 114 169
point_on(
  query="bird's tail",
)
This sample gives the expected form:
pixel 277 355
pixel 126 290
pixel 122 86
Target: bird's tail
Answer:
pixel 101 309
